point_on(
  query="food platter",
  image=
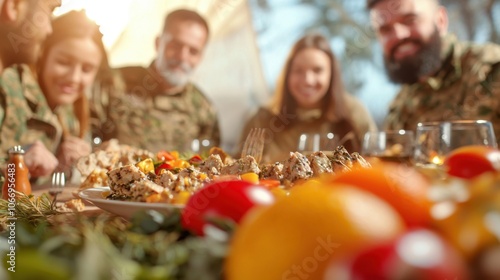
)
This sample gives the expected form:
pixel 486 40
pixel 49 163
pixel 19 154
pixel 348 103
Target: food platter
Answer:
pixel 125 209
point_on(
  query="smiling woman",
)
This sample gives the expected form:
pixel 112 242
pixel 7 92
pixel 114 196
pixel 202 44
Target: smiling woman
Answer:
pixel 70 66
pixel 310 98
pixel 71 58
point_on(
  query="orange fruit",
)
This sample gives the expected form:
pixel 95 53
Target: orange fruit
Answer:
pixel 279 192
pixel 251 177
pixel 269 183
pixel 470 224
pixel 468 231
pixel 403 187
pixel 298 236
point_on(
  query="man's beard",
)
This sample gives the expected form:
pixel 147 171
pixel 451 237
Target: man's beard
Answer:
pixel 171 76
pixel 410 69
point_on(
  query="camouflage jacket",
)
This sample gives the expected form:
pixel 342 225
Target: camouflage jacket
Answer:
pixel 282 138
pixel 466 87
pixel 142 116
pixel 24 113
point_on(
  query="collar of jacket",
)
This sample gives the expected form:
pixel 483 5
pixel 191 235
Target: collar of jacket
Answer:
pixel 308 114
pixel 451 69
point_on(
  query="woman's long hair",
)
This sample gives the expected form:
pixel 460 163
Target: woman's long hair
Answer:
pixel 334 108
pixel 74 24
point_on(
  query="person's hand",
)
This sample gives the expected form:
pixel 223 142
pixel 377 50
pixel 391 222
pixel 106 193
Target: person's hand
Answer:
pixel 39 160
pixel 71 149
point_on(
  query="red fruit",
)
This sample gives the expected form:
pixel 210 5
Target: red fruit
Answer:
pixel 418 254
pixel 222 200
pixel 163 166
pixel 470 161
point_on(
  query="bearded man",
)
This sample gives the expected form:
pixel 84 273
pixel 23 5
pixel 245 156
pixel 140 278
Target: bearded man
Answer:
pixel 442 78
pixel 24 25
pixel 161 109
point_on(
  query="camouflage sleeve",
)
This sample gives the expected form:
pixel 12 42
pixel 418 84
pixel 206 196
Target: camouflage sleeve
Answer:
pixel 211 130
pixel 105 93
pixel 68 119
pixel 393 120
pixel 208 118
pixel 493 83
pixel 10 87
pixel 3 155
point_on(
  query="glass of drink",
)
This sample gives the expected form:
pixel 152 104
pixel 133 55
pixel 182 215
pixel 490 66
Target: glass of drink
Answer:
pixel 435 140
pixel 392 146
pixel 313 142
pixel 200 146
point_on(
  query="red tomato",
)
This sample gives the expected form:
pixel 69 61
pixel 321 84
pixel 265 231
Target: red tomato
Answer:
pixel 163 166
pixel 164 156
pixel 470 161
pixel 223 199
pixel 417 254
pixel 196 159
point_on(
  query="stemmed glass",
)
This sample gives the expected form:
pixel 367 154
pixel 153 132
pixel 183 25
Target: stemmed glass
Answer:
pixel 434 140
pixel 393 146
pixel 200 146
pixel 312 142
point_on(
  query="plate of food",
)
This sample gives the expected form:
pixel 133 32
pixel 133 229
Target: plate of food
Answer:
pixel 98 197
pixel 117 183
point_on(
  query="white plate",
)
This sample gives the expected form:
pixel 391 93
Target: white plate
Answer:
pixel 97 196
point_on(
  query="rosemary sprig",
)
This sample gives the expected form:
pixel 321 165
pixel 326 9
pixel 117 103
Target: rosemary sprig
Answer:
pixel 28 208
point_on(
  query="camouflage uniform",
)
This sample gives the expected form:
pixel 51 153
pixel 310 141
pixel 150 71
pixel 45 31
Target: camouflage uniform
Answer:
pixel 69 120
pixel 25 115
pixel 144 117
pixel 281 140
pixel 466 87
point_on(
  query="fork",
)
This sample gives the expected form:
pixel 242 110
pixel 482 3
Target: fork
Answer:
pixel 254 144
pixel 349 137
pixel 58 183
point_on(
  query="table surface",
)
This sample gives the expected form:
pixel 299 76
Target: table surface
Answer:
pixel 69 192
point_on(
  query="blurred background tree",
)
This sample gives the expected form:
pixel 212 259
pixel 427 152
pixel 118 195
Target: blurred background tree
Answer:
pixel 279 23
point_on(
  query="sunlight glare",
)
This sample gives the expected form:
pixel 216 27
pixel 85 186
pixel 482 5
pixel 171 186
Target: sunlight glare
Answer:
pixel 111 15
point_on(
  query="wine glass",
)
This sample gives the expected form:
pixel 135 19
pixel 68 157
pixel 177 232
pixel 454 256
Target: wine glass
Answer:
pixel 435 140
pixel 200 146
pixel 392 146
pixel 313 142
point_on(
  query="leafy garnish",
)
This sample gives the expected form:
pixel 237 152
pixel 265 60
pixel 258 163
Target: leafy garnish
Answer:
pixel 152 245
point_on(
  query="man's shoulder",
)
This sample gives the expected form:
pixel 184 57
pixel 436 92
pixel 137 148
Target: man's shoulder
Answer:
pixel 192 87
pixel 11 80
pixel 196 92
pixel 133 73
pixel 136 76
pixel 480 59
pixel 132 70
pixel 12 73
pixel 481 52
